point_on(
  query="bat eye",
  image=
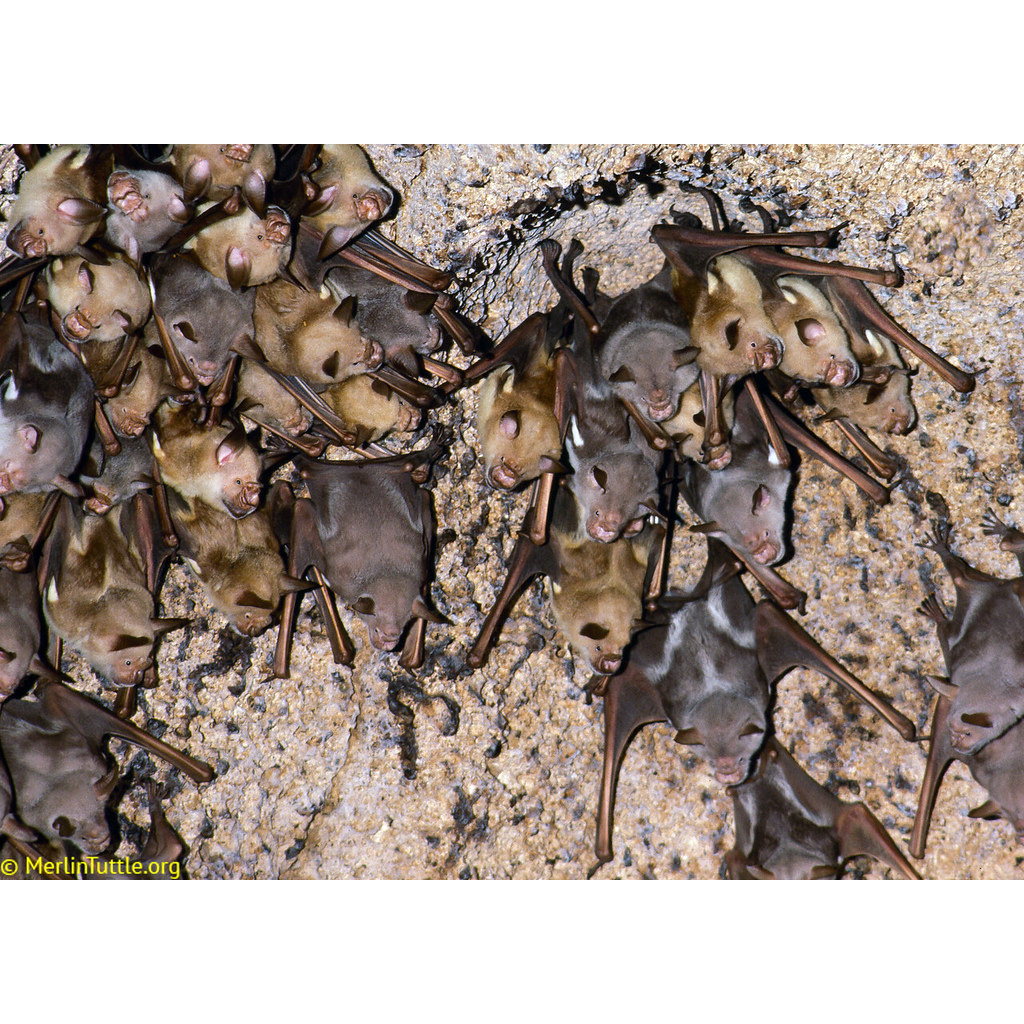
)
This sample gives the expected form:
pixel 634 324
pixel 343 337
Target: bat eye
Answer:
pixel 259 238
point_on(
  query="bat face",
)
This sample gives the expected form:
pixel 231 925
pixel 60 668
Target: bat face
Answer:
pixel 730 326
pixel 145 385
pixel 98 303
pixel 999 767
pixel 221 168
pixel 58 205
pixel 518 431
pixel 886 406
pixel 246 249
pixel 351 195
pixel 205 316
pixel 216 465
pixel 144 209
pixel 386 604
pixel 123 475
pixel 817 349
pixel 611 483
pixel 686 428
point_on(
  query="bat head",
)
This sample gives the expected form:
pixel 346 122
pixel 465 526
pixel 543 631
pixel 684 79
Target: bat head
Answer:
pixel 246 249
pixel 386 606
pixel 727 730
pixel 888 406
pixel 600 629
pixel 650 366
pixel 329 347
pixel 146 209
pixel 96 303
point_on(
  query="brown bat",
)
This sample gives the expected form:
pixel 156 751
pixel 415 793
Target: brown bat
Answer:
pixel 216 170
pixel 98 577
pixel 686 427
pixel 145 209
pixel 371 409
pixel 54 749
pixel 46 407
pixel 258 394
pixel 61 201
pixel 345 196
pixel 97 302
pixel 238 562
pixel 597 589
pixel 215 464
pixel 383 583
pixel 520 436
pixel 789 827
pixel 146 383
pixel 20 636
pixel 22 527
pixel 708 670
pixel 312 335
pixel 245 249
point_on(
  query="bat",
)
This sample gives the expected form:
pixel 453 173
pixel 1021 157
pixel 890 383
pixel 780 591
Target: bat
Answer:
pixel 311 334
pixel 686 427
pixel 520 436
pixel 20 634
pixel 46 407
pixel 371 409
pixel 120 477
pixel 245 249
pixel 597 589
pixel 238 562
pixel 22 527
pixel 61 201
pixel 384 583
pixel 145 209
pixel 54 749
pixel 708 670
pixel 258 393
pixel 201 317
pixel 217 170
pixel 98 577
pixel 789 827
pixel 215 464
pixel 96 302
pixel 982 643
pixel 145 384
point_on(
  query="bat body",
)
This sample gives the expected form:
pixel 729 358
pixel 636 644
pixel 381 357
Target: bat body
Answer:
pixel 816 346
pixel 20 635
pixel 61 201
pixel 46 408
pixel 206 318
pixel 238 561
pixel 520 436
pixel 789 827
pixel 53 747
pixel 217 465
pixel 144 210
pixel 245 249
pixel 259 393
pixel 311 334
pixel 97 303
pixel 371 409
pixel 382 582
pixel 146 384
pixel 644 350
pixel 686 427
pixel 121 477
pixel 748 498
pixel 19 524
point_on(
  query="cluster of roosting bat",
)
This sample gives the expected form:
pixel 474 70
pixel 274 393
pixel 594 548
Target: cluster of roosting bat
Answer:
pixel 694 382
pixel 181 321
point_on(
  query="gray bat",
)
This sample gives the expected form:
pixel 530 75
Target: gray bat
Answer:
pixel 145 209
pixel 54 749
pixel 789 827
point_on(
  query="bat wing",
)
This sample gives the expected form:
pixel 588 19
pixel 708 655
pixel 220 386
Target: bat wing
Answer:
pixel 783 645
pixel 860 832
pixel 940 756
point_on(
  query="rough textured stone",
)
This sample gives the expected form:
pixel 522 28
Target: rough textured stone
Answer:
pixel 375 773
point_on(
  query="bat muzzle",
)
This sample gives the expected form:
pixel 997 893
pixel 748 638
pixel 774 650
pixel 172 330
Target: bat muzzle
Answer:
pixel 841 373
pixel 26 243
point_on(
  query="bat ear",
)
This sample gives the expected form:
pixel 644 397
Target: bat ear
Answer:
pixel 510 423
pixel 810 330
pixel 124 642
pixel 346 310
pixel 422 610
pixel 600 477
pixel 86 278
pixel 80 211
pixel 692 737
pixel 162 626
pixel 942 685
pixel 104 786
pixel 248 348
pixel 419 302
pixel 363 605
pixel 230 448
pixel 762 499
pixel 330 365
pixel 761 874
pixel 622 376
pixel 550 465
pixel 254 192
pixel 177 210
pixel 335 239
pixel 988 810
pixel 293 585
pixel 122 319
pixel 594 631
pixel 29 435
pixel 319 199
pixel 249 599
pixel 130 378
pixel 198 179
pixel 237 267
pixel 684 356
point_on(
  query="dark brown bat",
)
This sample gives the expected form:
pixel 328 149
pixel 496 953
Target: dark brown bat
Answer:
pixel 46 407
pixel 982 643
pixel 145 209
pixel 61 201
pixel 383 583
pixel 207 320
pixel 97 303
pixel 146 383
pixel 708 670
pixel 789 827
pixel 21 528
pixel 20 636
pixel 54 749
pixel 217 464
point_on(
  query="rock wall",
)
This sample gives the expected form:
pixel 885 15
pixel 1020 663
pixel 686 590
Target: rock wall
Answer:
pixel 372 772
